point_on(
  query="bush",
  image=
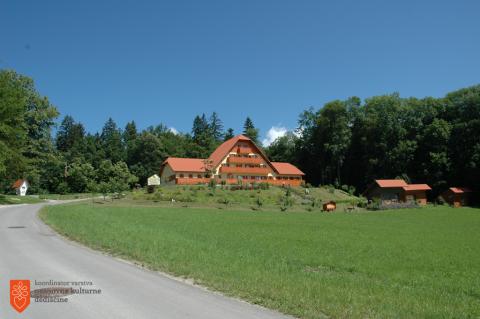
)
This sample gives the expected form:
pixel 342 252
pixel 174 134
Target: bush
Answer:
pixel 212 183
pixel 259 202
pixel 264 185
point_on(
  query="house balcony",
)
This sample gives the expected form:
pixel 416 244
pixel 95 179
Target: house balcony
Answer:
pixel 191 181
pixel 245 160
pixel 245 170
pixel 244 150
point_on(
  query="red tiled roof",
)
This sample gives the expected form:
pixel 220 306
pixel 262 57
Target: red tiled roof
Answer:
pixel 417 187
pixel 219 154
pixel 391 182
pixel 286 169
pixel 460 190
pixel 222 151
pixel 186 164
pixel 18 183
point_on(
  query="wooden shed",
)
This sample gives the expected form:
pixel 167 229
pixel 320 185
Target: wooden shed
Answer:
pixel 394 191
pixel 416 193
pixel 457 196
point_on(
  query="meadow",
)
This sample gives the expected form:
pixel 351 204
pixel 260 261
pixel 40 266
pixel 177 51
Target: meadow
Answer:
pixel 414 263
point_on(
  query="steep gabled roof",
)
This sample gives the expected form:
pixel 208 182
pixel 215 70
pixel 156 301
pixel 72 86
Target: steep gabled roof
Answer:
pixel 391 183
pixel 18 183
pixel 222 151
pixel 286 169
pixel 417 187
pixel 186 164
pixel 460 190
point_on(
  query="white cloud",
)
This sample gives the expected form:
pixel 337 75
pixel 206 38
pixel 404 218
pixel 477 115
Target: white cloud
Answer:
pixel 173 130
pixel 273 133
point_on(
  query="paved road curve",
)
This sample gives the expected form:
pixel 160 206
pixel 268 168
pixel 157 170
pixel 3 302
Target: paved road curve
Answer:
pixel 30 250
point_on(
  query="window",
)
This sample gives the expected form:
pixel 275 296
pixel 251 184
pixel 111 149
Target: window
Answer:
pixel 190 176
pixel 181 175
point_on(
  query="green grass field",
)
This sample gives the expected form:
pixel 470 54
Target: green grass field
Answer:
pixel 418 263
pixel 14 199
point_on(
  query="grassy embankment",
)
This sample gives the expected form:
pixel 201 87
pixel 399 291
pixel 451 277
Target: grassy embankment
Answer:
pixel 274 198
pixel 14 199
pixel 67 196
pixel 417 263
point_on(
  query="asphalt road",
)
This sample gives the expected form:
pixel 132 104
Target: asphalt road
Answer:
pixel 30 250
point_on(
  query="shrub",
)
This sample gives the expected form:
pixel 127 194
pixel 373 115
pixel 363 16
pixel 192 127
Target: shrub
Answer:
pixel 212 183
pixel 259 202
pixel 264 185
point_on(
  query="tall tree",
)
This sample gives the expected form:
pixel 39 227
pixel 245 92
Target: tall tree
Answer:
pixel 229 134
pixel 26 119
pixel 71 138
pixel 130 135
pixel 111 138
pixel 147 156
pixel 202 137
pixel 216 127
pixel 250 130
pixel 283 149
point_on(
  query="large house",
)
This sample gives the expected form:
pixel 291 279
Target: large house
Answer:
pixel 391 191
pixel 236 161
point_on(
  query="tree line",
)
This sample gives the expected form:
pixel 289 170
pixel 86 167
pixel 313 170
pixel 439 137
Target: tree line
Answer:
pixel 74 160
pixel 345 142
pixel 352 142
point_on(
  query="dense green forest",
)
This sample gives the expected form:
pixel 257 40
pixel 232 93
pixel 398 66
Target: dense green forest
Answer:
pixel 351 142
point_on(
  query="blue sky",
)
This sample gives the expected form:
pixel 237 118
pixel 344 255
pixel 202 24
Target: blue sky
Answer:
pixel 166 61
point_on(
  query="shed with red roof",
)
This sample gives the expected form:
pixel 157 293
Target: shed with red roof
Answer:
pixel 393 191
pixel 457 196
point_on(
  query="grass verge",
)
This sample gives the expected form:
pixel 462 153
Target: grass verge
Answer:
pixel 403 264
pixel 14 199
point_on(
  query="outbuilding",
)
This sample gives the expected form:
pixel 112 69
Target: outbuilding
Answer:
pixel 457 196
pixel 393 191
pixel 21 187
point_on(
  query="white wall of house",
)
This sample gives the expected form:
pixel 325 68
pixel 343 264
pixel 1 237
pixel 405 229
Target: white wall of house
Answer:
pixel 22 190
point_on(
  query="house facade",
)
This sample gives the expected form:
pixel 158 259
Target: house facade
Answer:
pixel 236 161
pixel 21 187
pixel 392 191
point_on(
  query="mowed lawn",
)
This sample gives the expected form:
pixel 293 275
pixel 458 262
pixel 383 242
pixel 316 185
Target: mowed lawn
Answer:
pixel 418 263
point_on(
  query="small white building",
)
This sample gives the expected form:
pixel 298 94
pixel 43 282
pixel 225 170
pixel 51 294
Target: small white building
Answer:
pixel 21 187
pixel 153 180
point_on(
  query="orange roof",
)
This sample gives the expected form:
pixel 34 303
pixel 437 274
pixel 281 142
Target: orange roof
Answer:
pixel 186 164
pixel 286 169
pixel 390 182
pixel 417 187
pixel 18 183
pixel 219 154
pixel 460 190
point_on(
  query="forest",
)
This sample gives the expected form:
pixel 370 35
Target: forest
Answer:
pixel 345 143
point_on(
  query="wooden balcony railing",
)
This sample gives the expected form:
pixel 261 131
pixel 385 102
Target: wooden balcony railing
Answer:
pixel 191 181
pixel 245 160
pixel 244 150
pixel 245 170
